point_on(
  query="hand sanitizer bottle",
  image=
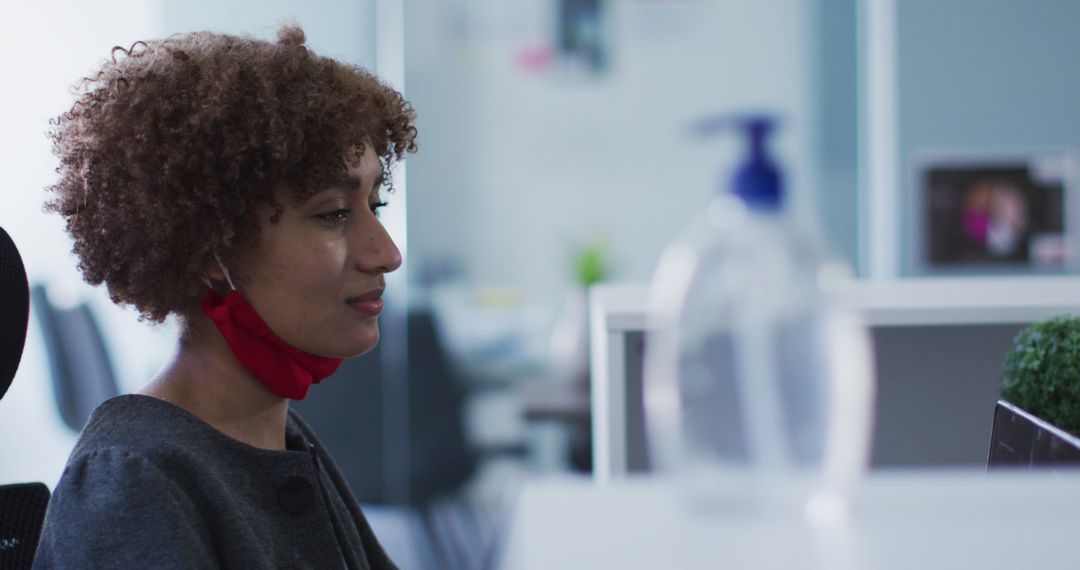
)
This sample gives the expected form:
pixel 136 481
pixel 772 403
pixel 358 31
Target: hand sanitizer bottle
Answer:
pixel 758 376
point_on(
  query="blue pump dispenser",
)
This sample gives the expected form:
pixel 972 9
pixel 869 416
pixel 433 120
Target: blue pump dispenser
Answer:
pixel 757 180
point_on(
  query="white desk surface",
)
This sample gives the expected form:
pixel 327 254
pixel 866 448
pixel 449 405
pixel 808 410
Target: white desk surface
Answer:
pixel 900 520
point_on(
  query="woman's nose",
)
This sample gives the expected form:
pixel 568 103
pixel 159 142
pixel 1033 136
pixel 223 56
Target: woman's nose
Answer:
pixel 376 250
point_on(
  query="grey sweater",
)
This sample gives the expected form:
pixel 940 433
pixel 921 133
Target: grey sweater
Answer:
pixel 150 485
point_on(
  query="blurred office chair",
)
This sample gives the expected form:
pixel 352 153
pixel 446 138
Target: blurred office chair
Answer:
pixel 1022 440
pixel 22 506
pixel 22 513
pixel 14 310
pixel 419 464
pixel 82 375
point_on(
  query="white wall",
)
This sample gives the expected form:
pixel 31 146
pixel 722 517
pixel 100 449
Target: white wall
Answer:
pixel 340 29
pixel 991 76
pixel 516 168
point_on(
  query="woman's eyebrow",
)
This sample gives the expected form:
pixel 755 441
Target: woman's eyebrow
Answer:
pixel 353 182
pixel 345 182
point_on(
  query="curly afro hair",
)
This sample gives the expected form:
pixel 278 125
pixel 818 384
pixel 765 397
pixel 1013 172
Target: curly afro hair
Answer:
pixel 174 145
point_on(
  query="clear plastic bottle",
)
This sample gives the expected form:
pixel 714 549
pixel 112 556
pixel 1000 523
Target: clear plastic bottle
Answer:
pixel 759 377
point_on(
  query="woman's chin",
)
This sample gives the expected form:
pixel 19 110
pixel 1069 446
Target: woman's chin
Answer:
pixel 361 344
pixel 355 342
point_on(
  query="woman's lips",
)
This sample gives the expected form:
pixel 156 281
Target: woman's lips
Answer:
pixel 372 307
pixel 370 304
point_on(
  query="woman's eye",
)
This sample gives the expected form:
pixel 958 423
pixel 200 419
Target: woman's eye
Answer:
pixel 335 217
pixel 376 206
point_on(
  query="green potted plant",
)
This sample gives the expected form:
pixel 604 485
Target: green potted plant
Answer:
pixel 590 264
pixel 570 334
pixel 1041 374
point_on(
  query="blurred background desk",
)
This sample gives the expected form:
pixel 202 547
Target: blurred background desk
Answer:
pixel 899 520
pixel 939 346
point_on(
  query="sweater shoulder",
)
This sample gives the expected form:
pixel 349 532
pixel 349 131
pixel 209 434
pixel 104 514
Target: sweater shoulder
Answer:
pixel 136 426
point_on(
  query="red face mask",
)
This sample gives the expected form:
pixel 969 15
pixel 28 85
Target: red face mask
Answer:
pixel 284 369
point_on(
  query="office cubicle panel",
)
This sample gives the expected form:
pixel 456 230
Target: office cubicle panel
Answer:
pixel 637 451
pixel 937 385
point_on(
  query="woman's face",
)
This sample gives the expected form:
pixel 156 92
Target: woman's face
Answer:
pixel 316 276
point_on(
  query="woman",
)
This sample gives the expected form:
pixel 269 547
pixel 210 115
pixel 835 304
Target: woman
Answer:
pixel 234 184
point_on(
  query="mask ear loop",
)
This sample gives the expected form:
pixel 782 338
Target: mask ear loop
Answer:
pixel 224 270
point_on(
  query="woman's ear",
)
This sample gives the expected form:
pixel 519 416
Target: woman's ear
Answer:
pixel 218 273
pixel 214 272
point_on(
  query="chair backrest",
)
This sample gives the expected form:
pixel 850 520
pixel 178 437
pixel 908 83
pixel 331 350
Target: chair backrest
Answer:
pixel 14 310
pixel 82 375
pixel 1023 440
pixel 22 506
pixel 22 513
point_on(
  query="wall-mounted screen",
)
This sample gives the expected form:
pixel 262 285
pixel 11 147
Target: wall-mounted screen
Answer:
pixel 995 215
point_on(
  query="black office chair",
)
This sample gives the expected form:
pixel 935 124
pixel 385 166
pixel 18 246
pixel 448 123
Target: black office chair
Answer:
pixel 22 506
pixel 82 374
pixel 419 463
